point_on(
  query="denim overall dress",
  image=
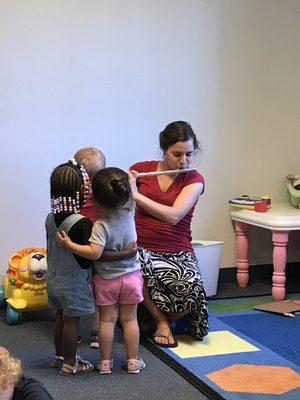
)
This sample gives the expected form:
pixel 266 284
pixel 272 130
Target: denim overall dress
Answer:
pixel 69 286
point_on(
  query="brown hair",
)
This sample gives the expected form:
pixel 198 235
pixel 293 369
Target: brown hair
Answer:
pixel 178 131
pixel 111 188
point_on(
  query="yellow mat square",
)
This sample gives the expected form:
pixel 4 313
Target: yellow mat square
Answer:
pixel 217 342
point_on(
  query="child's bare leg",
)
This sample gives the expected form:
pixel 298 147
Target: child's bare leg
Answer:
pixel 131 332
pixel 58 335
pixel 95 321
pixel 108 317
pixel 70 338
pixel 94 341
pixel 70 341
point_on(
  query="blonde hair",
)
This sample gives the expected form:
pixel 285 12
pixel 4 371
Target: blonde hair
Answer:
pixel 91 158
pixel 10 369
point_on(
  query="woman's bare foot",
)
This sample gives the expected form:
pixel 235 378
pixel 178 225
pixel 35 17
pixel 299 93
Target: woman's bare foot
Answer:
pixel 164 336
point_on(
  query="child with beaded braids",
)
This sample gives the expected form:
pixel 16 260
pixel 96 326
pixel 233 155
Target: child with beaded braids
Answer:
pixel 68 275
pixel 117 284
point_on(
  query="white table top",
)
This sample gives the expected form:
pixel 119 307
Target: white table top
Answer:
pixel 280 217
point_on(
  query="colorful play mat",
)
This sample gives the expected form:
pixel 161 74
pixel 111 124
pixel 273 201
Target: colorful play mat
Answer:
pixel 247 355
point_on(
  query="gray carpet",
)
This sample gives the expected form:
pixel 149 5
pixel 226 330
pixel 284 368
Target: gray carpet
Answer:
pixel 31 341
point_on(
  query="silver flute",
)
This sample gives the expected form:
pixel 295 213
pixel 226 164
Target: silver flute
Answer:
pixel 168 172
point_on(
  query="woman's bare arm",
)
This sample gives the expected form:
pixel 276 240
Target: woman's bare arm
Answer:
pixel 169 214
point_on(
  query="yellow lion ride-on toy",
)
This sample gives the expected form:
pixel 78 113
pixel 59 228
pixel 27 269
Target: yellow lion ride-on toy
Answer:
pixel 24 286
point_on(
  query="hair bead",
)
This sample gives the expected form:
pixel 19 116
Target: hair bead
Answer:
pixel 72 204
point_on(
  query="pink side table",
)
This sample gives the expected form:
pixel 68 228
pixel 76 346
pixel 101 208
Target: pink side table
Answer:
pixel 281 218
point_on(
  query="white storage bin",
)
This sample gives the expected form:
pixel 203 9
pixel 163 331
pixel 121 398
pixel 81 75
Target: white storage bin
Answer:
pixel 208 254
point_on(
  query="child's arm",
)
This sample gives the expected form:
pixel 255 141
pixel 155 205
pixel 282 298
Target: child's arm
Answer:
pixel 112 255
pixel 90 251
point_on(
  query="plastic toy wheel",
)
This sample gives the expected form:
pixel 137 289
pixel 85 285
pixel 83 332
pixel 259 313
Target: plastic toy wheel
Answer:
pixel 2 299
pixel 12 316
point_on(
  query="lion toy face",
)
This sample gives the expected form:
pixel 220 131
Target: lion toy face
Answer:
pixel 33 268
pixel 25 281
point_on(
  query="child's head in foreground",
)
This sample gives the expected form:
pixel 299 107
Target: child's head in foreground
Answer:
pixel 10 370
pixel 111 189
pixel 91 158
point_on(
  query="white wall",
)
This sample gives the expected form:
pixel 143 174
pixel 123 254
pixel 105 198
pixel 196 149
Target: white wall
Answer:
pixel 113 73
pixel 257 122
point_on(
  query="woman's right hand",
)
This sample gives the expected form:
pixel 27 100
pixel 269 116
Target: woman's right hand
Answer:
pixel 132 176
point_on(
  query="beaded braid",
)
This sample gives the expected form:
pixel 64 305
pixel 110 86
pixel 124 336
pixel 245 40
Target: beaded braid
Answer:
pixel 67 203
pixel 85 178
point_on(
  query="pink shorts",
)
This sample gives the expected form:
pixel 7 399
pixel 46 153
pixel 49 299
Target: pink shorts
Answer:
pixel 126 289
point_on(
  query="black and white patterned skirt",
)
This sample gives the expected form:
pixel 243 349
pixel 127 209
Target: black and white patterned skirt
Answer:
pixel 175 285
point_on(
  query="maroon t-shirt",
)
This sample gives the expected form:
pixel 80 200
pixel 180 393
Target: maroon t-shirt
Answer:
pixel 152 233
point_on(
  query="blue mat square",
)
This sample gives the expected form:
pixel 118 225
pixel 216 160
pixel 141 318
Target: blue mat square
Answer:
pixel 283 338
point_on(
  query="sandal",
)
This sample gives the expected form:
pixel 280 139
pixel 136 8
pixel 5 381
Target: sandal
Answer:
pixel 80 367
pixel 105 366
pixel 135 365
pixel 57 361
pixel 158 334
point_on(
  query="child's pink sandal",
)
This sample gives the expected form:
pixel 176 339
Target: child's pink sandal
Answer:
pixel 135 365
pixel 105 366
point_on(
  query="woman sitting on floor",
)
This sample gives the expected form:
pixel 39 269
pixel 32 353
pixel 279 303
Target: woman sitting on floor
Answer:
pixel 173 287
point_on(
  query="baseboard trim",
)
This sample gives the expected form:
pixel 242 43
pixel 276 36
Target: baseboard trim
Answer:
pixel 259 272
